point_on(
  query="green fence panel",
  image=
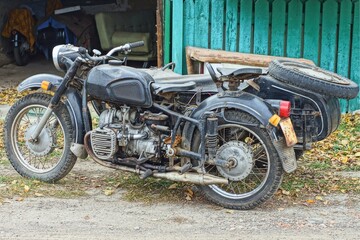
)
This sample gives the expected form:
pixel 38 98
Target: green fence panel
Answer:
pixel 178 53
pixel 324 31
pixel 278 22
pixel 293 46
pixel 167 31
pixel 261 27
pixel 189 26
pixel 328 35
pixel 312 30
pixel 189 23
pixel 245 33
pixel 217 24
pixel 343 52
pixel 355 55
pixel 202 12
pixel 231 25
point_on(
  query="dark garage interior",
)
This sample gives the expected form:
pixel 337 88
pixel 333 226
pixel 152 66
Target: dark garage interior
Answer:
pixel 93 24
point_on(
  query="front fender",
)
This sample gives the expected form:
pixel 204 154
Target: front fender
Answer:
pixel 72 102
pixel 34 82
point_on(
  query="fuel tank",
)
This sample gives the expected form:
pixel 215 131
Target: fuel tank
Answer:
pixel 120 85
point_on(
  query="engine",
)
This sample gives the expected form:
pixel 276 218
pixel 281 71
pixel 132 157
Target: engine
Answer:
pixel 127 132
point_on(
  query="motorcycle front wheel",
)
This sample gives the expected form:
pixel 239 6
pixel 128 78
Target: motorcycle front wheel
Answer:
pixel 49 157
pixel 255 171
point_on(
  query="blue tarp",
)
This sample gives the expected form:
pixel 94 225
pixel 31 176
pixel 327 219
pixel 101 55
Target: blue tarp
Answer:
pixel 52 23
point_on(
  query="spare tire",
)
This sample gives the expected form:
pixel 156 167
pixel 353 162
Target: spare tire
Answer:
pixel 313 78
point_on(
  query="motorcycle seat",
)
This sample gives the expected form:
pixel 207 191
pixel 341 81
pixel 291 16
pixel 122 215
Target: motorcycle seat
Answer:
pixel 169 81
pixel 241 73
pixel 165 87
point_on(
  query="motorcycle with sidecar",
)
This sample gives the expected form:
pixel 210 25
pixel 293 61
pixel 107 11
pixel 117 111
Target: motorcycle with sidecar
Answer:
pixel 233 132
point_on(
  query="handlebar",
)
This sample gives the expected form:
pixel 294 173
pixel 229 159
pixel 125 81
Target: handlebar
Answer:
pixel 124 48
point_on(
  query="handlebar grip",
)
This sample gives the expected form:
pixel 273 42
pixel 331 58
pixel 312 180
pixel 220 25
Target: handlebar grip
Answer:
pixel 137 44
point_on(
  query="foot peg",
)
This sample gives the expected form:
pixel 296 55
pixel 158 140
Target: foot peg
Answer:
pixel 146 174
pixel 187 166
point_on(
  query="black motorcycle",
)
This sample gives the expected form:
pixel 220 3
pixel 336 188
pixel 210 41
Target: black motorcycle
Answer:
pixel 233 134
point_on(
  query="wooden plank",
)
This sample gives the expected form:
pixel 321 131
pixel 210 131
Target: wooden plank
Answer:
pixel 167 31
pixel 293 46
pixel 231 25
pixel 217 24
pixel 177 35
pixel 328 35
pixel 355 55
pixel 246 14
pixel 312 30
pixel 189 26
pixel 159 32
pixel 261 27
pixel 202 12
pixel 343 54
pixel 218 56
pixel 278 28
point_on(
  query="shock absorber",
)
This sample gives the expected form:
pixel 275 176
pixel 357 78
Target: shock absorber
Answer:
pixel 211 136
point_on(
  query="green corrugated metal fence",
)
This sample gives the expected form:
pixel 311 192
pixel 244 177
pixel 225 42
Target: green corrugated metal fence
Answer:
pixel 325 31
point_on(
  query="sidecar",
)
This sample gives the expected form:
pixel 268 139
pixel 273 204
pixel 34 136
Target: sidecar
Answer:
pixel 315 113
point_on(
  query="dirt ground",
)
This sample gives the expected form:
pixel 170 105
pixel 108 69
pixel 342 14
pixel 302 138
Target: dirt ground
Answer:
pixel 97 216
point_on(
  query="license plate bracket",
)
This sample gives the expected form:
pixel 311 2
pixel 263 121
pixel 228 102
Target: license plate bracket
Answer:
pixel 288 131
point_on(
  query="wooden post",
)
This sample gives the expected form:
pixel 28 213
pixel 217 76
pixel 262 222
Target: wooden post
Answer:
pixel 219 56
pixel 159 32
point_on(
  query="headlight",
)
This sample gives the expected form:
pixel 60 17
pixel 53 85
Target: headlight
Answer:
pixel 61 53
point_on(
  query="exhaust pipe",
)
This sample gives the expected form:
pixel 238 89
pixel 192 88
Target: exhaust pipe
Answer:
pixel 197 178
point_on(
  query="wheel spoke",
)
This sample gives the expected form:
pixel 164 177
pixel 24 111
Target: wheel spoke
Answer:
pixel 246 183
pixel 38 158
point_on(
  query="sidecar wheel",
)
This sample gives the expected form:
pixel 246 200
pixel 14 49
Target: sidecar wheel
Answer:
pixel 49 158
pixel 256 173
pixel 313 78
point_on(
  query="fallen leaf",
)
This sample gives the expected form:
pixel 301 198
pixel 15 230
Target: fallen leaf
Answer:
pixel 287 193
pixel 26 188
pixel 319 198
pixel 109 192
pixel 39 195
pixel 173 186
pixel 310 201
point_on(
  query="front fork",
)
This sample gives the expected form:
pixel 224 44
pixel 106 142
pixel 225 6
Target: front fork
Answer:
pixel 70 74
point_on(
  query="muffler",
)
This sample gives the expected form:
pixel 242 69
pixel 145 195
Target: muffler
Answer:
pixel 197 178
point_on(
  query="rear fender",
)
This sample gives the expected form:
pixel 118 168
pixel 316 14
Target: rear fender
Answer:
pixel 250 104
pixel 72 102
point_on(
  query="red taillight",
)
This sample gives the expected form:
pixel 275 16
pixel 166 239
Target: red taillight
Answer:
pixel 285 108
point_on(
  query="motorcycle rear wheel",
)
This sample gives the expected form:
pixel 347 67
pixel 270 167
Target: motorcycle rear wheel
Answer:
pixel 21 56
pixel 259 172
pixel 49 158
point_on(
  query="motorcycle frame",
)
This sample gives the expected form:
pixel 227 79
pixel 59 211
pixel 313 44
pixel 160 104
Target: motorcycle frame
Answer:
pixel 239 100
